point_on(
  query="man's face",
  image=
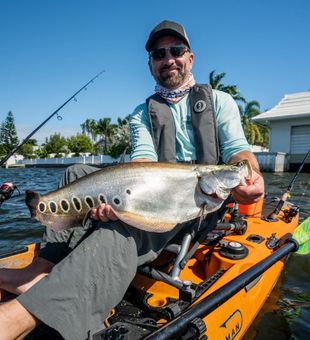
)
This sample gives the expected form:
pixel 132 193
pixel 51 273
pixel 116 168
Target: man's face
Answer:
pixel 170 71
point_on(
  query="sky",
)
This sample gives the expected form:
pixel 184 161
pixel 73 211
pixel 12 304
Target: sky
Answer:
pixel 51 48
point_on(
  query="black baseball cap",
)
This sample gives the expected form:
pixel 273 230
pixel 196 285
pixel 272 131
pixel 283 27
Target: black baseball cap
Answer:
pixel 166 28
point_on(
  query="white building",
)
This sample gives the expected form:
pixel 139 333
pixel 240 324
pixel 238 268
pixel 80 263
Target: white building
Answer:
pixel 289 123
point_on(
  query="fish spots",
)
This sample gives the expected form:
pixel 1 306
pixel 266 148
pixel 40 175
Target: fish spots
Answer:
pixel 89 201
pixel 53 207
pixel 128 191
pixel 65 205
pixel 102 198
pixel 42 207
pixel 77 203
pixel 72 204
pixel 117 200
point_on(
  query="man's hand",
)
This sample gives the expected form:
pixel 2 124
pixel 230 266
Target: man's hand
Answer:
pixel 103 213
pixel 254 190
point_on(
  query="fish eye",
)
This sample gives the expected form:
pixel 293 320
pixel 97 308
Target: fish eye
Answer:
pixel 89 201
pixel 102 198
pixel 65 205
pixel 77 203
pixel 42 207
pixel 53 207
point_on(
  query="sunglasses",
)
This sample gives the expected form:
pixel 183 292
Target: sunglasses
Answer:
pixel 176 51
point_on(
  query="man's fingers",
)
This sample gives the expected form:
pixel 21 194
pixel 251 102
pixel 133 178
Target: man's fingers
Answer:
pixel 109 213
pixel 93 213
pixel 103 213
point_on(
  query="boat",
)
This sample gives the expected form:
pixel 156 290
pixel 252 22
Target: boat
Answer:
pixel 208 287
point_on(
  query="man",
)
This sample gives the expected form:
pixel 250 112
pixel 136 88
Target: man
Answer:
pixel 182 122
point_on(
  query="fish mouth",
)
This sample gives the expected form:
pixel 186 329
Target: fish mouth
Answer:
pixel 32 200
pixel 248 170
pixel 213 197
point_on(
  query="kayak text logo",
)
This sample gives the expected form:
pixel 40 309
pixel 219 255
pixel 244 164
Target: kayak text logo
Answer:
pixel 232 325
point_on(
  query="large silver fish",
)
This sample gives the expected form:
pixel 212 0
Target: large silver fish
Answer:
pixel 149 196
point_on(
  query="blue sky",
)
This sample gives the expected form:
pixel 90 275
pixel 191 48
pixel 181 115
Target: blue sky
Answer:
pixel 50 48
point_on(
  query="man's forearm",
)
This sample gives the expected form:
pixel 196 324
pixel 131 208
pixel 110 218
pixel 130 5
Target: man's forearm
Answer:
pixel 18 281
pixel 141 160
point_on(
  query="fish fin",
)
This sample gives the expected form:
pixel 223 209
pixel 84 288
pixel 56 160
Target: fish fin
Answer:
pixel 32 200
pixel 149 224
pixel 86 217
pixel 202 214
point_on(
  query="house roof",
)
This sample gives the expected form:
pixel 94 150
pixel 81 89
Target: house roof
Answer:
pixel 295 105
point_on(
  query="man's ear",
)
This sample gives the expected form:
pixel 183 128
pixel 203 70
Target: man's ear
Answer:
pixel 150 65
pixel 191 59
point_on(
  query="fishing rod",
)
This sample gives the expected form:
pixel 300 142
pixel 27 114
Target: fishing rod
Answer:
pixel 273 215
pixel 17 147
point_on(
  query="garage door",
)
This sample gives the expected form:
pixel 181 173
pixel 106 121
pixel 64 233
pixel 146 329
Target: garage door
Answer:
pixel 300 139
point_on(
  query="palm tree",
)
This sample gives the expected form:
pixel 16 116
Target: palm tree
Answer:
pixel 250 110
pixel 215 80
pixel 89 127
pixel 122 121
pixel 253 132
pixel 121 139
pixel 105 129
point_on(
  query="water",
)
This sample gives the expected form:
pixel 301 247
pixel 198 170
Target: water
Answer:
pixel 286 314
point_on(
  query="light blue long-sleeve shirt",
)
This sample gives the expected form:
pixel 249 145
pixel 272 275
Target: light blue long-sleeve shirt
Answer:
pixel 230 133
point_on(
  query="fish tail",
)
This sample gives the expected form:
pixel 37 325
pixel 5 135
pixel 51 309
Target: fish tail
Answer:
pixel 32 200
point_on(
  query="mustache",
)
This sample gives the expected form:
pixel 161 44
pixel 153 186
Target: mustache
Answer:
pixel 169 68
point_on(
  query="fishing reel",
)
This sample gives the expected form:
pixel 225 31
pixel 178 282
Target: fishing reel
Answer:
pixel 6 191
pixel 290 213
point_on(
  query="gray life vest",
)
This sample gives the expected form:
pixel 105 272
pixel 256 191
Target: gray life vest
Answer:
pixel 203 121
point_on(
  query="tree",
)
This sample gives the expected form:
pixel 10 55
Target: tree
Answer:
pixel 27 149
pixel 121 139
pixel 79 143
pixel 8 134
pixel 122 121
pixel 32 141
pixel 255 134
pixel 215 80
pixel 89 127
pixel 55 144
pixel 2 148
pixel 105 129
pixel 42 153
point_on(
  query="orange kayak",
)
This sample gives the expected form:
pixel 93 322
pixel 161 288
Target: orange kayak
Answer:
pixel 213 287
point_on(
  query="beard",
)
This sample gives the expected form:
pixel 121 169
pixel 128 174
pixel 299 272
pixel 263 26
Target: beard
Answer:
pixel 171 81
